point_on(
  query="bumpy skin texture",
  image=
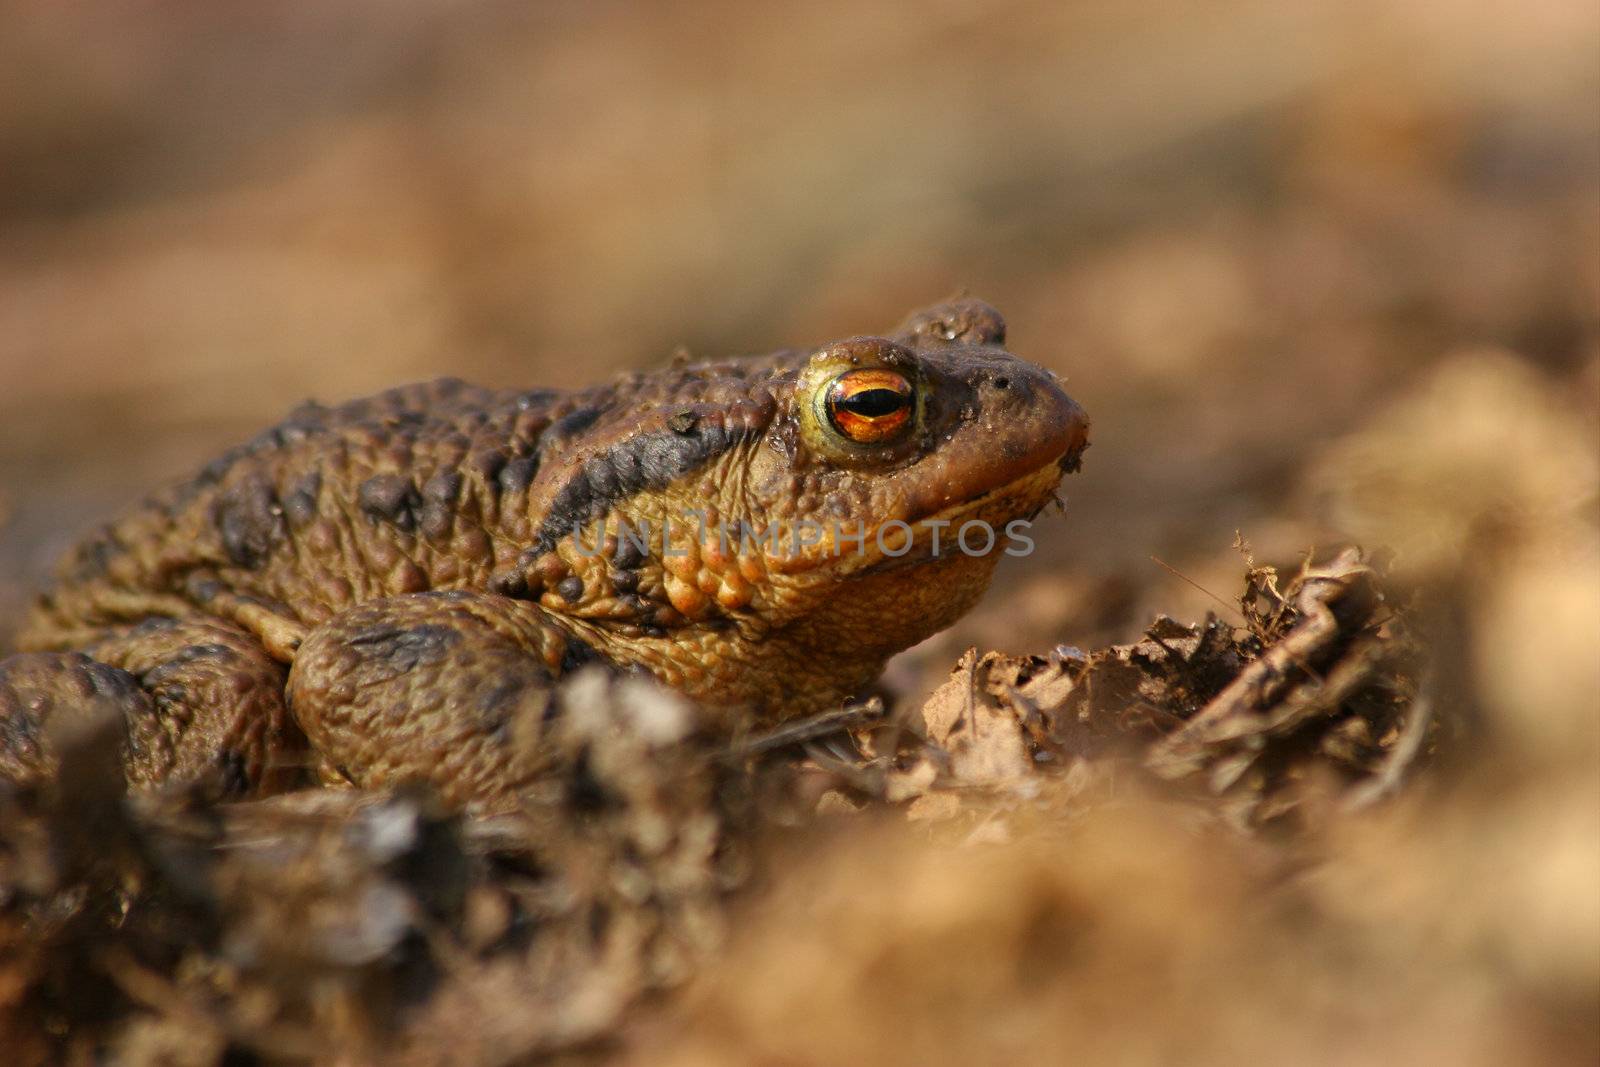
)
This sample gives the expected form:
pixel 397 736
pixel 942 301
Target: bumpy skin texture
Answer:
pixel 391 589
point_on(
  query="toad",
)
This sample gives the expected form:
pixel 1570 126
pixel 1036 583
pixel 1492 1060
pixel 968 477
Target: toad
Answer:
pixel 391 589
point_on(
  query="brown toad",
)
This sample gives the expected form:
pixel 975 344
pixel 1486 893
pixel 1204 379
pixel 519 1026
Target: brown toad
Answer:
pixel 388 589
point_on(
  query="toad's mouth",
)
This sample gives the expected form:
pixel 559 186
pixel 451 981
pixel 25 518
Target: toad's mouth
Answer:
pixel 980 527
pixel 966 526
pixel 939 518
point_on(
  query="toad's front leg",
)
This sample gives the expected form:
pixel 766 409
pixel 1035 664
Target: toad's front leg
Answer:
pixel 447 688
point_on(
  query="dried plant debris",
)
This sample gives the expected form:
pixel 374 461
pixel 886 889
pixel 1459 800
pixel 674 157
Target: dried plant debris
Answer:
pixel 337 924
pixel 1316 689
pixel 346 926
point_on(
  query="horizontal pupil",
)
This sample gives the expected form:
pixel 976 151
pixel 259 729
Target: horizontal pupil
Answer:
pixel 873 403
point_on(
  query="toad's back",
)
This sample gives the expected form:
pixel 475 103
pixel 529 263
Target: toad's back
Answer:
pixel 437 485
pixel 323 510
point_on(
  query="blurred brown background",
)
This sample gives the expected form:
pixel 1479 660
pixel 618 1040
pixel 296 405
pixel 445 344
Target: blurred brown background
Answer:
pixel 1317 269
pixel 1235 227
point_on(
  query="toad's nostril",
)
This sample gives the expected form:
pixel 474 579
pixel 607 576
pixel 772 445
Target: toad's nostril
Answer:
pixel 1002 383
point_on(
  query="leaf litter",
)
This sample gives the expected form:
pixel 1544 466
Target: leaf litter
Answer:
pixel 342 926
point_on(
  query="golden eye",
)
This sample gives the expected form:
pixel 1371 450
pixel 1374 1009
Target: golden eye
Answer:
pixel 869 407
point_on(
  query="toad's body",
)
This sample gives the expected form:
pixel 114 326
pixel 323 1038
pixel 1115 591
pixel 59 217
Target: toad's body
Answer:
pixel 402 579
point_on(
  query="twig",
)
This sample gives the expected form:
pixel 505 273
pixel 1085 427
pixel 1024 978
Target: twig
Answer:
pixel 809 729
pixel 1179 574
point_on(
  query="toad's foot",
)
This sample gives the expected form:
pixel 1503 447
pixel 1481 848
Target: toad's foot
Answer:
pixel 200 701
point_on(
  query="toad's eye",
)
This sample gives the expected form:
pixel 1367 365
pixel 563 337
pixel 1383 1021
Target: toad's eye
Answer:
pixel 869 407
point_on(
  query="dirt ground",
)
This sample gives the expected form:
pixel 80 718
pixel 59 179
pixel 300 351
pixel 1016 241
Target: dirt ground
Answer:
pixel 1324 274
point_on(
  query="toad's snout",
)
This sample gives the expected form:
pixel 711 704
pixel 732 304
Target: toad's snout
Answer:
pixel 1014 421
pixel 1077 438
pixel 1031 421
